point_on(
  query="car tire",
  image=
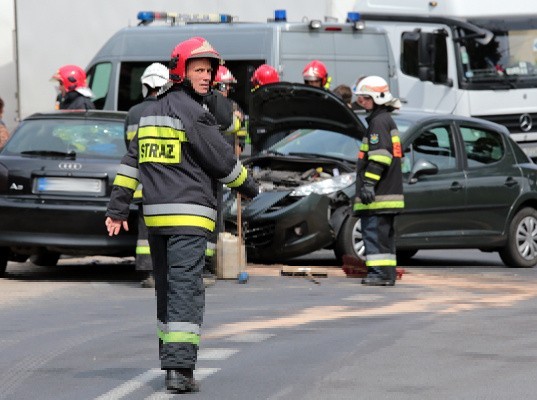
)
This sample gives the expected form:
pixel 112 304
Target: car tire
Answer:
pixel 521 248
pixel 4 258
pixel 45 259
pixel 349 240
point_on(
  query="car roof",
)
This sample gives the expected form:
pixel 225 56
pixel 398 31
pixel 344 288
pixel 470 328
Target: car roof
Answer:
pixel 78 114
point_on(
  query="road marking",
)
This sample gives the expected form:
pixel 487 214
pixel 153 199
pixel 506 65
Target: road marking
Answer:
pixel 249 337
pixel 199 374
pixel 132 385
pixel 215 354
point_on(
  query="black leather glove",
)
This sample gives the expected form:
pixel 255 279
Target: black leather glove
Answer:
pixel 367 193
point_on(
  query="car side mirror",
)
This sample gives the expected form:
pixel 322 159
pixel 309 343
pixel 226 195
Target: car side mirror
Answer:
pixel 421 167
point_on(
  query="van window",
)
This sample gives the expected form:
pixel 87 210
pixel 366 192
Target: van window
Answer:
pixel 130 86
pixel 98 78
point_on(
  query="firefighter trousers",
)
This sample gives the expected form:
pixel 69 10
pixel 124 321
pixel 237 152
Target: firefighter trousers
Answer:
pixel 178 262
pixel 379 240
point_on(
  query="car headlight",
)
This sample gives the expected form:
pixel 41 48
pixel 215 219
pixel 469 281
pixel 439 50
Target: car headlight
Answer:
pixel 325 187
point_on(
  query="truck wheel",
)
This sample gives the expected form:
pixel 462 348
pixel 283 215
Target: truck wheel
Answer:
pixel 4 257
pixel 349 240
pixel 45 258
pixel 521 248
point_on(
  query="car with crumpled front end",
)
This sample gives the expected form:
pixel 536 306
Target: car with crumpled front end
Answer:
pixel 56 175
pixel 467 184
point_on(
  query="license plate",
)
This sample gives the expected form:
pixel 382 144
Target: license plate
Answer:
pixel 57 185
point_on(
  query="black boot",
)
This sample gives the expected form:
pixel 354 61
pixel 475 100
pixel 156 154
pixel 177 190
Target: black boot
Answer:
pixel 181 380
pixel 380 276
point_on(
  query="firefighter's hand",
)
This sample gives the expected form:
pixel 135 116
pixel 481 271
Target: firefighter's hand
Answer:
pixel 367 193
pixel 114 226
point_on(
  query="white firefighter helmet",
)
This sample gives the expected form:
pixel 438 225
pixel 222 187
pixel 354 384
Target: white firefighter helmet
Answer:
pixel 376 88
pixel 155 76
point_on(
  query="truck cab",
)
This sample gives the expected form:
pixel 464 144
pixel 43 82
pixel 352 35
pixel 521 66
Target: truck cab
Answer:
pixel 465 57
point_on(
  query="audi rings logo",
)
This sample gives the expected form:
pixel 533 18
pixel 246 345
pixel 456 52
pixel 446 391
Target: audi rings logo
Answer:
pixel 525 122
pixel 71 166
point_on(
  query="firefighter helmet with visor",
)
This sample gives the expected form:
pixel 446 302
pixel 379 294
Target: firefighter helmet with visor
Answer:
pixel 195 47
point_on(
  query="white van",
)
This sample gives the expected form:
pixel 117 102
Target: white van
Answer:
pixel 349 50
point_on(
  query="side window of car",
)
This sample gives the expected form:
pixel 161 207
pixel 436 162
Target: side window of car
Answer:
pixel 482 147
pixel 436 146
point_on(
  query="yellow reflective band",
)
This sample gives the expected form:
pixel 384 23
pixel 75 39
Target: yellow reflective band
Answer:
pixel 162 132
pixel 381 263
pixel 364 147
pixel 137 194
pixel 179 337
pixel 209 252
pixel 179 220
pixel 241 132
pixel 143 250
pixel 372 176
pixel 130 135
pixel 396 139
pixel 126 182
pixel 240 179
pixel 381 159
pixel 378 205
pixel 164 151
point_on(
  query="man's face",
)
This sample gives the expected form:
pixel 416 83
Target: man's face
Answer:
pixel 316 83
pixel 365 102
pixel 198 71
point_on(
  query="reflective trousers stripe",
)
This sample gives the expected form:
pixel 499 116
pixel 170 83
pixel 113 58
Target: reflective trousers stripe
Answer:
pixel 380 205
pixel 179 220
pixel 179 337
pixel 143 250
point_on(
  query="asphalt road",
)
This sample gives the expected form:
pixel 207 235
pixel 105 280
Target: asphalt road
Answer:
pixel 458 325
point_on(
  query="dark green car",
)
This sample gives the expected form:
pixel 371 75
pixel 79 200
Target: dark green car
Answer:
pixel 467 183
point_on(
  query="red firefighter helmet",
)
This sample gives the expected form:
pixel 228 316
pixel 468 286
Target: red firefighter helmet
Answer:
pixel 265 74
pixel 195 47
pixel 315 70
pixel 224 75
pixel 71 77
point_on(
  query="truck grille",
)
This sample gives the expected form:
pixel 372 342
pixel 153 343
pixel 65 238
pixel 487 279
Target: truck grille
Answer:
pixel 513 122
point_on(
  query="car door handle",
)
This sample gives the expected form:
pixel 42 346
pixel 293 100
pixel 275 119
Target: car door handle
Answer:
pixel 510 182
pixel 455 187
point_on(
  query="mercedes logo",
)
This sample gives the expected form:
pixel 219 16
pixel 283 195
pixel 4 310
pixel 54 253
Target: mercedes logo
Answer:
pixel 525 122
pixel 75 166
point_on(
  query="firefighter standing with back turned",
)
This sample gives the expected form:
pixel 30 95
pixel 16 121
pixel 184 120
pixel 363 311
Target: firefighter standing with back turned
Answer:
pixel 179 156
pixel 153 78
pixel 379 181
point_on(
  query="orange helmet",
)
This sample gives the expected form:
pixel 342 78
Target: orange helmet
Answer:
pixel 195 47
pixel 224 75
pixel 315 70
pixel 71 77
pixel 265 74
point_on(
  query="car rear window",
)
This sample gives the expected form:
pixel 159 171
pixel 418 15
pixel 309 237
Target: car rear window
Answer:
pixel 84 138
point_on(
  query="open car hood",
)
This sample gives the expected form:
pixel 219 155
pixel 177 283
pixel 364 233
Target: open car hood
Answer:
pixel 287 106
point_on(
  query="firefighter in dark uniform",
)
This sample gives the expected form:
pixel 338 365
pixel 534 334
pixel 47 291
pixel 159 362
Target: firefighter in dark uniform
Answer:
pixel 180 157
pixel 74 93
pixel 153 78
pixel 379 181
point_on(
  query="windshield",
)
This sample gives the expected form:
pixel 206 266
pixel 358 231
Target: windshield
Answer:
pixel 509 58
pixel 71 137
pixel 319 142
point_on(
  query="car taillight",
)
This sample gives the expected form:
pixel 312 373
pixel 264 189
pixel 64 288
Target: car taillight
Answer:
pixel 3 178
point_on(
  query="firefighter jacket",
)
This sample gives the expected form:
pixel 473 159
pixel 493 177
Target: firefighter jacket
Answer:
pixel 179 156
pixel 76 101
pixel 131 126
pixel 379 164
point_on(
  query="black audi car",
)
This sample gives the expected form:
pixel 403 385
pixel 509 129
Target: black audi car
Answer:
pixel 467 184
pixel 56 174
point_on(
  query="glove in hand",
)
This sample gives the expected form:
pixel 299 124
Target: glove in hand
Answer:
pixel 367 193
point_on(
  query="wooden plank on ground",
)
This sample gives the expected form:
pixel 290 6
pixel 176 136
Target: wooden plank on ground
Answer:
pixel 288 270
